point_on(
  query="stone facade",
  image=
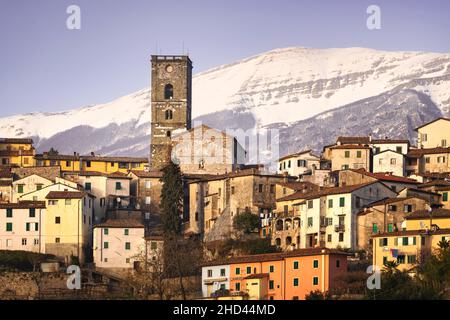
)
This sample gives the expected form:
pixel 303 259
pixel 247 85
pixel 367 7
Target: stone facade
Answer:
pixel 171 104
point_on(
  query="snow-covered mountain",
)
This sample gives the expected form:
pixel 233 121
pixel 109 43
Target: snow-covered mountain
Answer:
pixel 310 95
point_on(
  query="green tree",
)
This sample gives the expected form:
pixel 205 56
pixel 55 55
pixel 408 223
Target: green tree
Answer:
pixel 246 222
pixel 171 200
pixel 318 295
pixel 53 152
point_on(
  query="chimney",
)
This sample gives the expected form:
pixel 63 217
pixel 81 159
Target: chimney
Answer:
pixel 92 154
pixel 370 137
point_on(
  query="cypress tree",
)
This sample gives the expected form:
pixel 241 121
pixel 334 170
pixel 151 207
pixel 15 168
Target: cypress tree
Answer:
pixel 171 200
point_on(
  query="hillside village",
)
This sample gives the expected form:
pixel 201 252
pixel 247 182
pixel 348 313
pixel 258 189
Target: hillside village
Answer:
pixel 364 198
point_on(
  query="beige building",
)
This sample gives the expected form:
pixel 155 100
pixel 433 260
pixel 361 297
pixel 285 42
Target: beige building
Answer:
pixel 215 201
pixel 386 215
pixel 428 160
pixel 204 150
pixel 381 145
pixel 118 244
pixel 6 180
pixel 21 226
pixel 434 134
pixel 145 189
pixel 350 157
pixel 28 184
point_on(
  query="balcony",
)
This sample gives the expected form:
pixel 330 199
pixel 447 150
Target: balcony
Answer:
pixel 339 228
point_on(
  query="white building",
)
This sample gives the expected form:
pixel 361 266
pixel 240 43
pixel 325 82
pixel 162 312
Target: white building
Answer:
pixel 215 277
pixel 28 184
pixel 389 161
pixel 118 244
pixel 380 145
pixel 301 163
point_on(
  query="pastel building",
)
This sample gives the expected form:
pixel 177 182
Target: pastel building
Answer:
pixel 434 134
pixel 21 226
pixel 277 276
pixel 15 152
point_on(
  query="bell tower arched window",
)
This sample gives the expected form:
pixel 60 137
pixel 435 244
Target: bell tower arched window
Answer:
pixel 168 92
pixel 168 114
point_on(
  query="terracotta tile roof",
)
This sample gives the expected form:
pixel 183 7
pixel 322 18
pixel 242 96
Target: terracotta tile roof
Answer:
pixel 275 256
pixel 120 223
pixel 257 276
pixel 423 214
pixel 5 183
pixel 435 175
pixel 90 158
pixel 435 183
pixel 411 233
pixel 425 124
pixel 387 141
pixel 147 174
pixel 235 174
pixel 353 140
pixel 414 153
pixel 447 188
pixel 65 195
pixel 23 205
pixel 5 173
pixel 385 176
pixel 118 175
pixel 349 146
pixel 16 140
pixel 296 155
pixel 16 153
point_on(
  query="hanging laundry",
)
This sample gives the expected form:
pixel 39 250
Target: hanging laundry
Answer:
pixel 394 253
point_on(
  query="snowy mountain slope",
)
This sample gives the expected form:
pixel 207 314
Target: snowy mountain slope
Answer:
pixel 274 89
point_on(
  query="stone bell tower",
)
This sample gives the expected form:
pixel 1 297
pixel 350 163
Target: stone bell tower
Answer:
pixel 171 104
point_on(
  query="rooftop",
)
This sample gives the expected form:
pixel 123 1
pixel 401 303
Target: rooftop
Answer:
pixel 16 141
pixel 120 223
pixel 65 195
pixel 23 205
pixel 424 214
pixel 430 122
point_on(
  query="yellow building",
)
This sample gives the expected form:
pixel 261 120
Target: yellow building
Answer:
pixel 434 134
pixel 68 224
pixel 445 193
pixel 16 152
pixel 414 244
pixel 257 286
pixel 76 163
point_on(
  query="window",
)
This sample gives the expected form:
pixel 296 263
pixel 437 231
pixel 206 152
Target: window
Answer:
pixel 374 228
pixel 341 237
pixel 67 202
pixel 105 245
pixel 20 188
pixel 9 226
pixel 68 163
pixel 390 227
pixel 168 114
pixel 347 154
pixel 52 202
pixel 105 260
pixel 393 161
pixel 345 167
pixel 87 186
pixel 295 265
pixel 36 242
pixel 444 143
pixel 289 163
pixel 358 154
pixel 126 232
pixel 341 202
pixel 118 185
pixel 392 207
pixel 249 270
pixel 401 258
pixel 168 91
pixel 127 260
pixel 329 238
pixel 88 164
pixel 330 203
pixel 445 196
pixel 427 159
pixel 222 272
pixel 106 231
pixel 272 188
pixel 238 270
pixel 271 285
pixel 398 149
pixel 310 222
pixel 232 190
pixel 238 287
pixel 148 184
pixel 338 263
pixel 411 259
pixel 27 226
pixel 260 188
pixel 38 186
pixel 32 213
pixel 58 220
pixel 385 260
pixel 210 273
pixel 383 242
pixel 301 163
pixel 9 212
pixel 310 204
pixel 148 200
pixel 36 226
pixel 57 240
pixel 271 269
pixel 24 241
pixel 127 245
pixel 315 264
pixel 405 241
pixel 295 282
pixel 153 245
pixel 315 281
pixel 424 137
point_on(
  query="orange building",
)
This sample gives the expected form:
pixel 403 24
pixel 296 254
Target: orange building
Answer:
pixel 289 275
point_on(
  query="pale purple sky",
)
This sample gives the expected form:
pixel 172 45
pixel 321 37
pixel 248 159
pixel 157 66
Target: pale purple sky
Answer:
pixel 46 67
